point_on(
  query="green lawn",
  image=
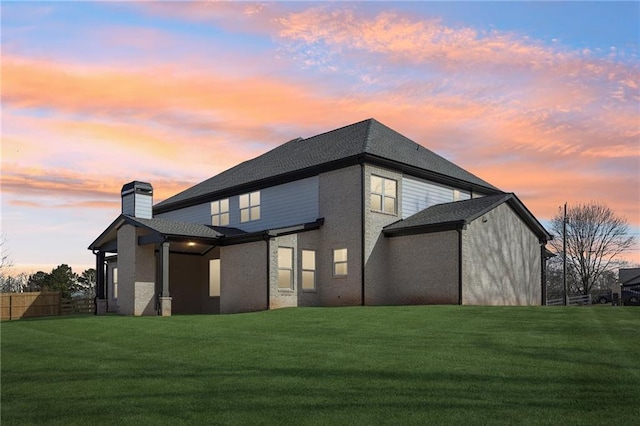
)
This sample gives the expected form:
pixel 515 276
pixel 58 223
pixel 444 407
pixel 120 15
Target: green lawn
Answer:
pixel 372 365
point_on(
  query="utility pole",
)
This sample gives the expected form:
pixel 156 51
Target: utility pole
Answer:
pixel 564 256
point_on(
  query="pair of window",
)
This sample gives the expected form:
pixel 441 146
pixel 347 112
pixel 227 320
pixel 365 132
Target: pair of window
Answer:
pixel 285 267
pixel 384 195
pixel 249 209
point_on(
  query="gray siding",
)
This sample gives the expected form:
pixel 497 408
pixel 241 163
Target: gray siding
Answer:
pixel 200 213
pixel 136 274
pixel 419 194
pixel 288 204
pixel 283 298
pixel 137 205
pixel 283 205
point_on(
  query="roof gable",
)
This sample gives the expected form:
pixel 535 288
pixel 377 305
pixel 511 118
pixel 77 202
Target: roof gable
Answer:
pixel 367 140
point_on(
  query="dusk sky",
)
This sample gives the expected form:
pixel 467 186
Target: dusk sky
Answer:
pixel 537 98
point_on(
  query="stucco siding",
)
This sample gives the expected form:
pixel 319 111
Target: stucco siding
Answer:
pixel 501 261
pixel 419 194
pixel 243 277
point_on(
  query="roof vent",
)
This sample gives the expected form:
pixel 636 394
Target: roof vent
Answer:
pixel 137 199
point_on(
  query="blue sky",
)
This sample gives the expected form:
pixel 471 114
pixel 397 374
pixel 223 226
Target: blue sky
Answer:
pixel 538 98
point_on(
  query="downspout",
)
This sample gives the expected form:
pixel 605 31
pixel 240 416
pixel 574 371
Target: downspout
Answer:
pixel 362 230
pixel 267 240
pixel 100 279
pixel 543 274
pixel 459 229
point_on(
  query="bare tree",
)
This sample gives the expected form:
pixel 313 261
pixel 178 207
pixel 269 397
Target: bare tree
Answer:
pixel 596 238
pixel 5 262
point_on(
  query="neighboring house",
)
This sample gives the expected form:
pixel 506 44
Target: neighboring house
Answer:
pixel 360 215
pixel 629 279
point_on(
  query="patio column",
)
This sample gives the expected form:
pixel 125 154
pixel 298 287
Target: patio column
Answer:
pixel 165 299
pixel 101 294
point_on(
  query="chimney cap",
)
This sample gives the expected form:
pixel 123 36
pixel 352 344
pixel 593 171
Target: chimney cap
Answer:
pixel 136 186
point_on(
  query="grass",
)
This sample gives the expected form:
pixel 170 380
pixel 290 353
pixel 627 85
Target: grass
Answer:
pixel 372 365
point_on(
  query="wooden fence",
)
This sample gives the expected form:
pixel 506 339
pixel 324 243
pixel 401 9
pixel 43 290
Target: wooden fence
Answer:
pixel 572 300
pixel 41 304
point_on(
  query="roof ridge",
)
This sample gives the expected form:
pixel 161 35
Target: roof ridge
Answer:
pixel 367 139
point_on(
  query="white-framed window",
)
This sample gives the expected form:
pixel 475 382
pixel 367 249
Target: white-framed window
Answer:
pixel 220 212
pixel 214 278
pixel 340 268
pixel 114 273
pixel 250 207
pixel 384 195
pixel 285 268
pixel 308 270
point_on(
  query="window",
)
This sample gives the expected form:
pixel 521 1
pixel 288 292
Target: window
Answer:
pixel 308 270
pixel 250 207
pixel 214 278
pixel 383 195
pixel 285 268
pixel 340 262
pixel 220 212
pixel 115 283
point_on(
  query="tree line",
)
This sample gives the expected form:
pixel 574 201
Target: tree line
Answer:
pixel 61 278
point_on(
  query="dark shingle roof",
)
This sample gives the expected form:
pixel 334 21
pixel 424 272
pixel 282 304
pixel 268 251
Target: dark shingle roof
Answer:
pixel 455 212
pixel 459 213
pixel 174 228
pixel 367 137
pixel 629 276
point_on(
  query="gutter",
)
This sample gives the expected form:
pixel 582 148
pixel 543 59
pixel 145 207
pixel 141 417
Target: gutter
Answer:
pixel 267 240
pixel 362 231
pixel 460 265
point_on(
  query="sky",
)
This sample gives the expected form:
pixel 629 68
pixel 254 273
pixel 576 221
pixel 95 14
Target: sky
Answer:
pixel 537 98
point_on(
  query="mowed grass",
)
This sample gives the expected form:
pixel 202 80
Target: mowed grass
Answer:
pixel 361 365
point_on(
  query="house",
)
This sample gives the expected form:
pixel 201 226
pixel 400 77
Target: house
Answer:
pixel 629 282
pixel 360 215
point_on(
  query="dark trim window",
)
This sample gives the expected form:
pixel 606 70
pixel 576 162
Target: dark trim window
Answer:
pixel 340 268
pixel 308 270
pixel 250 207
pixel 214 278
pixel 220 212
pixel 384 195
pixel 114 273
pixel 285 268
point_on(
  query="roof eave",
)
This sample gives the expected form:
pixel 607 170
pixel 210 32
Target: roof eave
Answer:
pixel 424 229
